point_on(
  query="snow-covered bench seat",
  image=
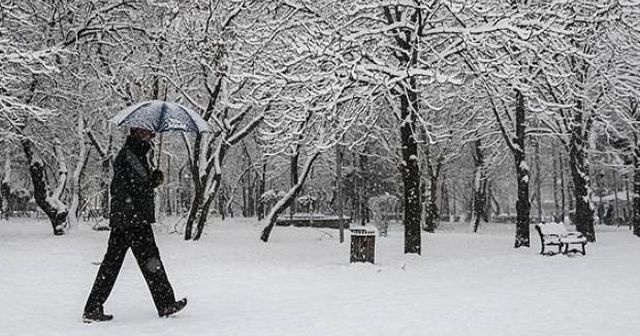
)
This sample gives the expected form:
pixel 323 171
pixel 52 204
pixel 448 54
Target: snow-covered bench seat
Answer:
pixel 556 234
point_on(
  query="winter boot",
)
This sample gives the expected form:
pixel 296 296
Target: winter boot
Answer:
pixel 173 308
pixel 96 315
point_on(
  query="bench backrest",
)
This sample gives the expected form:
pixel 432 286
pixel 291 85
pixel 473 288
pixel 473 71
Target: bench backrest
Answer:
pixel 553 228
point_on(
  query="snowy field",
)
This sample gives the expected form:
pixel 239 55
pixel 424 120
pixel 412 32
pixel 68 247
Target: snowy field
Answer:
pixel 301 283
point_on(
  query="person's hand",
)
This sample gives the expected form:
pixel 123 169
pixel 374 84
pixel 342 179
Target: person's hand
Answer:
pixel 157 178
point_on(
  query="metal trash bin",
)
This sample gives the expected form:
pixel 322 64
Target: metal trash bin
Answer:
pixel 363 244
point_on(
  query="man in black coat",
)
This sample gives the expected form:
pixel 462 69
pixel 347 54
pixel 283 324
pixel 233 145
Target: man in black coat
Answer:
pixel 132 212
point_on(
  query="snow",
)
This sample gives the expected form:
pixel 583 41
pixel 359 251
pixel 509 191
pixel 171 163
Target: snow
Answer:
pixel 524 165
pixel 300 283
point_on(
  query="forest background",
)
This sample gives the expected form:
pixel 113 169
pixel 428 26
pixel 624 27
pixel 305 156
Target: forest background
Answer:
pixel 430 111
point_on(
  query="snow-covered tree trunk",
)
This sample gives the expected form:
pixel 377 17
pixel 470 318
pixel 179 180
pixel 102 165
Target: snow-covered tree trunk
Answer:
pixel 48 201
pixel 432 212
pixel 105 157
pixel 556 181
pixel 516 144
pixel 364 196
pixel 523 206
pixel 286 201
pixel 207 183
pixel 195 208
pixel 197 158
pixel 410 169
pixel 432 215
pixel 538 181
pixel 207 189
pixel 584 220
pixel 563 188
pixel 294 178
pixel 74 182
pixel 213 191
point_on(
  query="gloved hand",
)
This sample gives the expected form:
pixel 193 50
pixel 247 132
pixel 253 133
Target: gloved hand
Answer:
pixel 157 178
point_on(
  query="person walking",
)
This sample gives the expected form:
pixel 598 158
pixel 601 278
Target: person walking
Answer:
pixel 132 212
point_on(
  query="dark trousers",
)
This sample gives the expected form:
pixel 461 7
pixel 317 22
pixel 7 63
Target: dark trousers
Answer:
pixel 143 245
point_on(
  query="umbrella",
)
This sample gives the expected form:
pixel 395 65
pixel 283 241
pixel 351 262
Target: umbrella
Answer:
pixel 161 116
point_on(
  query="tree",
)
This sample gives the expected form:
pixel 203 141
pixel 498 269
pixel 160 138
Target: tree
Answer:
pixel 621 103
pixel 576 85
pixel 444 122
pixel 211 58
pixel 24 64
pixel 385 47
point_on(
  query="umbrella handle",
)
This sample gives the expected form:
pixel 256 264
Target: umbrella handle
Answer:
pixel 159 154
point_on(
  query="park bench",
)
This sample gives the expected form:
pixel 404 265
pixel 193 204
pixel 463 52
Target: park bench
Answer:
pixel 556 234
pixel 314 220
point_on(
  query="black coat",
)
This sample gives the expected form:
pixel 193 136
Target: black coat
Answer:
pixel 132 196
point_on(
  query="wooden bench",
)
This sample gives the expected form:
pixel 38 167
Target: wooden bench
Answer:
pixel 556 234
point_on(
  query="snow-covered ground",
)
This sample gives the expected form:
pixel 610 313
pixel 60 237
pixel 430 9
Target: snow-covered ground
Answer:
pixel 301 283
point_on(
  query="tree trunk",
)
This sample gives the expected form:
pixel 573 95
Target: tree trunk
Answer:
pixel 339 197
pixel 580 175
pixel 636 189
pixel 245 197
pixel 170 195
pixel 210 194
pixel 479 186
pixel 105 156
pixel 364 213
pixel 83 157
pixel 287 200
pixel 628 208
pixel 204 212
pixel 556 202
pixel 454 205
pixel 355 200
pixel 523 206
pixel 293 170
pixel 200 205
pixel 563 188
pixel 445 209
pixel 431 210
pixel 432 215
pixel 248 208
pixel 49 202
pixel 221 207
pixel 261 190
pixel 212 189
pixel 615 194
pixel 5 188
pixel 250 195
pixel 492 204
pixel 196 160
pixel 193 211
pixel 538 181
pixel 410 170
